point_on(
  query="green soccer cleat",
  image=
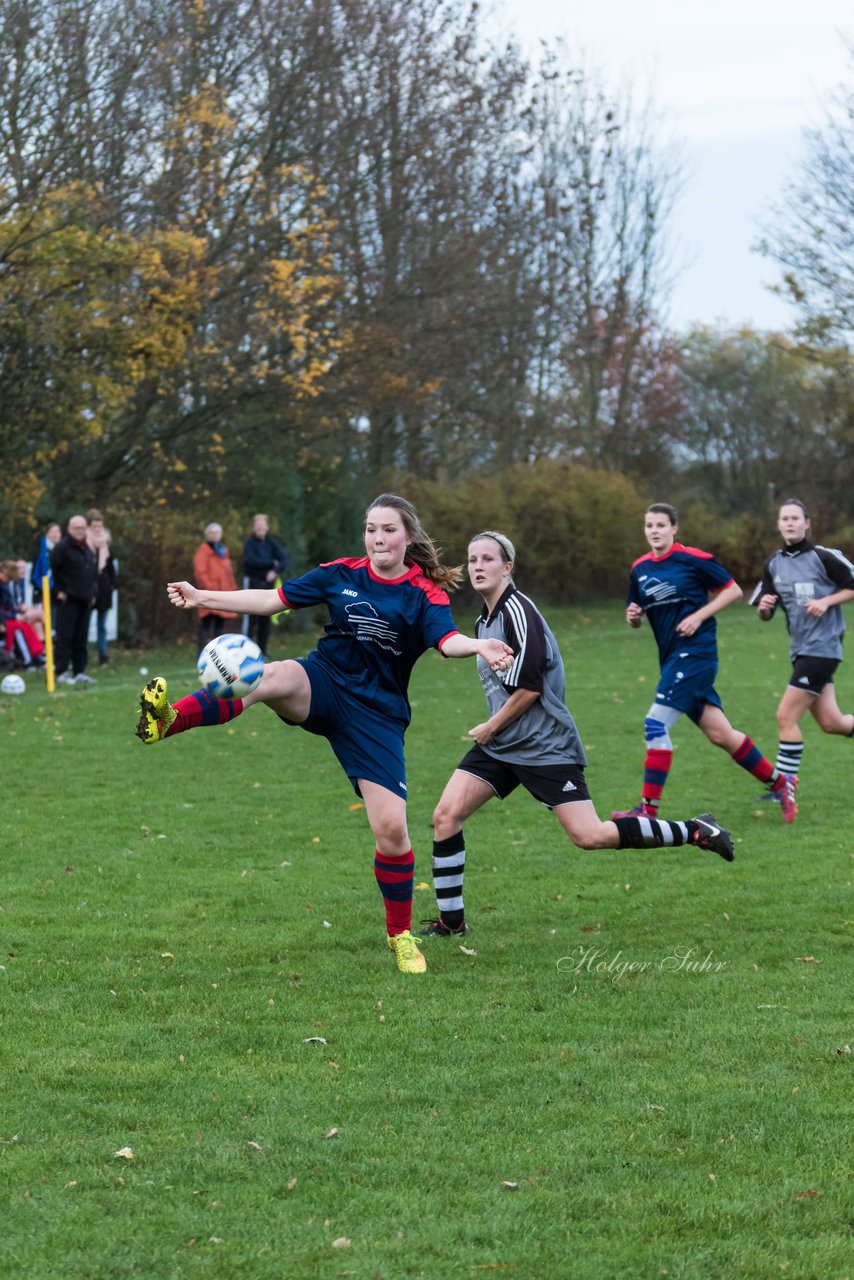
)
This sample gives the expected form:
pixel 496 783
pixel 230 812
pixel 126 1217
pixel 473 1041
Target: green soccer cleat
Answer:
pixel 155 713
pixel 405 948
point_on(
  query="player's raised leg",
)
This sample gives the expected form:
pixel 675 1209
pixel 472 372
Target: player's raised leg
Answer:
pixel 586 830
pixel 284 686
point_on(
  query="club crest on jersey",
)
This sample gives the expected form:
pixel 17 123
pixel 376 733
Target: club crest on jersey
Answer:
pixel 371 628
pixel 660 591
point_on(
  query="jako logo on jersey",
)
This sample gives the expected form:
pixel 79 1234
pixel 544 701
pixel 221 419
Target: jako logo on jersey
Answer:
pixel 657 589
pixel 348 592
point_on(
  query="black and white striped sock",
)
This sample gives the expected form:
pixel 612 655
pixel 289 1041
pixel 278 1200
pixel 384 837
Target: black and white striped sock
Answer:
pixel 449 864
pixel 789 757
pixel 651 833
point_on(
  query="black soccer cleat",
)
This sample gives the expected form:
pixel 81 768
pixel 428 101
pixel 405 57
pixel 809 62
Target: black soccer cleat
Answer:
pixel 708 835
pixel 438 929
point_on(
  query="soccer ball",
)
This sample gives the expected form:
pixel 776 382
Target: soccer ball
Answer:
pixel 12 684
pixel 231 666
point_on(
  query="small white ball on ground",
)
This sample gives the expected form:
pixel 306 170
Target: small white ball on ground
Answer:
pixel 143 671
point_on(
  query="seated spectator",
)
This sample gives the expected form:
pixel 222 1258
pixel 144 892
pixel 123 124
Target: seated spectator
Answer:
pixel 32 613
pixel 19 638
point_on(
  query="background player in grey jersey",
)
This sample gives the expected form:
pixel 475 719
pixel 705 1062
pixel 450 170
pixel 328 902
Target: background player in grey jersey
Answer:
pixel 809 583
pixel 530 739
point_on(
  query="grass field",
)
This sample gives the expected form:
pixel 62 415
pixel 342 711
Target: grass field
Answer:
pixel 194 971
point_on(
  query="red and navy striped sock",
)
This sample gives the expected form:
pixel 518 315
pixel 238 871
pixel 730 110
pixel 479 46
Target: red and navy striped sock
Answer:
pixel 751 758
pixel 655 770
pixel 396 879
pixel 202 708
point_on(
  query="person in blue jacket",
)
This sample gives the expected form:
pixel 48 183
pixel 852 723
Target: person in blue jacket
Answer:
pixel 264 560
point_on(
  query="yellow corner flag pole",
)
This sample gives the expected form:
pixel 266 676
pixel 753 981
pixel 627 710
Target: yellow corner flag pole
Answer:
pixel 48 633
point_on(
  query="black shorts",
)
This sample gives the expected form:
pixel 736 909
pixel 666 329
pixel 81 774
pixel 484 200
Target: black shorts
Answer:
pixel 810 675
pixel 551 784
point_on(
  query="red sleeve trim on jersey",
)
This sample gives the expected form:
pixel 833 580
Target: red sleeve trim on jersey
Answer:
pixel 352 562
pixel 693 551
pixel 434 593
pixel 285 601
pixel 714 591
pixel 439 643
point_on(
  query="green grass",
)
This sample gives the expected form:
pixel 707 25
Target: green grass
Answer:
pixel 166 960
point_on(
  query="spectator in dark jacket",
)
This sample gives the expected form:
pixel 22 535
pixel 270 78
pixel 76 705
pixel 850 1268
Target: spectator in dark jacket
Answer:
pixel 100 539
pixel 264 560
pixel 75 572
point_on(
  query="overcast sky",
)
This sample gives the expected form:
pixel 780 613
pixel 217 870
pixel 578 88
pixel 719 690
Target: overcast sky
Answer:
pixel 738 82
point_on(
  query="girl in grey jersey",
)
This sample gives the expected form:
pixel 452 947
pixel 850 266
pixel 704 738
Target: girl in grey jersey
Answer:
pixel 809 583
pixel 530 739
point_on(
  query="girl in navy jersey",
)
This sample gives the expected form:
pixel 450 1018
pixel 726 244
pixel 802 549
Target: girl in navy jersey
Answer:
pixel 530 739
pixel 386 608
pixel 679 590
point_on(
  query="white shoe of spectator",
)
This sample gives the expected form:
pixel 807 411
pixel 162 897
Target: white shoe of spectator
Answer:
pixel 65 678
pixel 82 678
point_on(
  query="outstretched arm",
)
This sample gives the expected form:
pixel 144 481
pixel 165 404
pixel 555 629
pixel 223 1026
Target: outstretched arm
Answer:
pixel 498 654
pixel 185 596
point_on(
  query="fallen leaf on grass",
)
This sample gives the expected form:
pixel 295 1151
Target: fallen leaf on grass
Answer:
pixel 354 808
pixel 336 1066
pixel 256 1146
pixel 808 1195
pixel 467 951
pixel 166 955
pixel 292 1183
pixel 146 831
pixel 808 959
pixel 315 1040
pixel 846 1048
pixel 333 1133
pixel 509 1186
pixel 422 885
pixel 341 1243
pixel 124 1153
pixel 71 1184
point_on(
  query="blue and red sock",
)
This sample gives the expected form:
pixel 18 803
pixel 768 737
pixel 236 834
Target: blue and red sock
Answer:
pixel 200 709
pixel 396 879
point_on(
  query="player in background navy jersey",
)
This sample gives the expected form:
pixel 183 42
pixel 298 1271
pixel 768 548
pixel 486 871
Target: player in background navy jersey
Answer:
pixel 386 608
pixel 529 739
pixel 809 583
pixel 679 590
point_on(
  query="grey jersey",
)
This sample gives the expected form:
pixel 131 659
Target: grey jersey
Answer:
pixel 797 575
pixel 546 733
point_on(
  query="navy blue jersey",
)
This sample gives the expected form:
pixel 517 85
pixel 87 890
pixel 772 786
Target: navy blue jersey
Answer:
pixel 377 628
pixel 671 587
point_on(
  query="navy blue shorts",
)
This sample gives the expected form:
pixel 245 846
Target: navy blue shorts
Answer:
pixel 688 685
pixel 366 744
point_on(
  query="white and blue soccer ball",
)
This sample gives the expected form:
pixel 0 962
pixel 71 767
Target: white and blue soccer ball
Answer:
pixel 13 685
pixel 230 666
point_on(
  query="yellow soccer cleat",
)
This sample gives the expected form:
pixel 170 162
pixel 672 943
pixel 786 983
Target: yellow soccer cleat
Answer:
pixel 155 713
pixel 409 958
